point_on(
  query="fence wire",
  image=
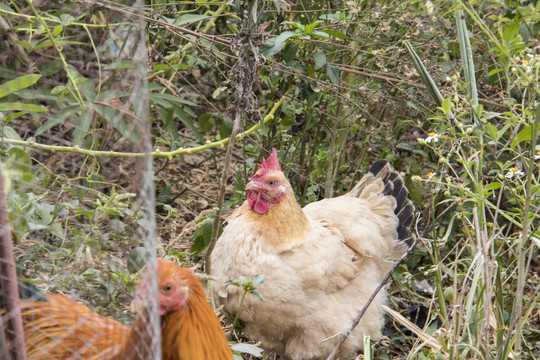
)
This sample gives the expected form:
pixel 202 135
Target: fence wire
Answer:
pixel 80 205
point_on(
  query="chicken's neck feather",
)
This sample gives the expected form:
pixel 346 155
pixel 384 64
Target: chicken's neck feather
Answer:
pixel 284 226
pixel 193 332
pixel 139 343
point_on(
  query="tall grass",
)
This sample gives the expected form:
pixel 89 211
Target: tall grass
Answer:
pixel 488 166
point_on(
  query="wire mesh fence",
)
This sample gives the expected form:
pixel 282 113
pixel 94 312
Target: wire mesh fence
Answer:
pixel 78 183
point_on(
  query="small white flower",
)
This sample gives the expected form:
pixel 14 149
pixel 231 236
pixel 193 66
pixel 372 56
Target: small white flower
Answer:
pixel 431 175
pixel 432 136
pixel 514 172
pixel 537 155
pixel 527 63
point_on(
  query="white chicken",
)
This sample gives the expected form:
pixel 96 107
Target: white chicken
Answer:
pixel 320 263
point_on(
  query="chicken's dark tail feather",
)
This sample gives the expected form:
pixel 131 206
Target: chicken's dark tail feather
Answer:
pixel 393 185
pixel 27 291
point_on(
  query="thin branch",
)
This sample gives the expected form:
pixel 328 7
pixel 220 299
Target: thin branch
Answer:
pixel 221 196
pixel 243 74
pixel 156 153
pixel 212 38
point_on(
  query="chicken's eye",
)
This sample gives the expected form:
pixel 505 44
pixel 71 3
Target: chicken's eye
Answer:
pixel 272 183
pixel 167 288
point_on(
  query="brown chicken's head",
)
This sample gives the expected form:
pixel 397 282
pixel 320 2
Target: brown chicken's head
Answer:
pixel 267 186
pixel 173 288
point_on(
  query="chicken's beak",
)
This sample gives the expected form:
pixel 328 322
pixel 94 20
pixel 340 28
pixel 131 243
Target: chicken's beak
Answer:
pixel 252 185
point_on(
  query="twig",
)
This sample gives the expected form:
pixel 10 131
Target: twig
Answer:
pixel 9 281
pixel 74 90
pixel 502 352
pixel 212 38
pixel 427 338
pixel 156 153
pixel 221 197
pixel 383 283
pixel 243 75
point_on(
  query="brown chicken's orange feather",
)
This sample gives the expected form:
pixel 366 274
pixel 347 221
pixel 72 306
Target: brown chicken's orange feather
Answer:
pixel 62 328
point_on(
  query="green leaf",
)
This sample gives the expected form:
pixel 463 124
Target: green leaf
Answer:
pixel 184 118
pixel 493 186
pixel 158 100
pixel 12 116
pixel 57 30
pixel 424 73
pixel 492 131
pixel 201 237
pixel 336 33
pixel 83 127
pixel 21 107
pixel 320 60
pixel 66 19
pixel 123 64
pixel 59 117
pixel 494 71
pixel 225 128
pixel 275 45
pixel 320 33
pixel 333 73
pixel 163 196
pixel 299 26
pixel 446 106
pixel 17 84
pixel 415 194
pixel 50 67
pixel 8 133
pixel 166 116
pixel 189 18
pixel 232 282
pixel 22 162
pixel 510 31
pixel 206 122
pixel 523 135
pixel 310 27
pixel 218 91
pixel 290 51
pixel 120 124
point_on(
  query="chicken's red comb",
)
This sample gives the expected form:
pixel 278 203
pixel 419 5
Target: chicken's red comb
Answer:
pixel 272 163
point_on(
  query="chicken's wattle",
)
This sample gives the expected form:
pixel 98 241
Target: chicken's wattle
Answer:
pixel 259 204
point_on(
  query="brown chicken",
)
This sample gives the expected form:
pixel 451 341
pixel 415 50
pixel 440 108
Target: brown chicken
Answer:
pixel 320 263
pixel 61 328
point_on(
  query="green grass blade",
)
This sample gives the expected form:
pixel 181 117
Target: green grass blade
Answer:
pixel 424 74
pixel 466 55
